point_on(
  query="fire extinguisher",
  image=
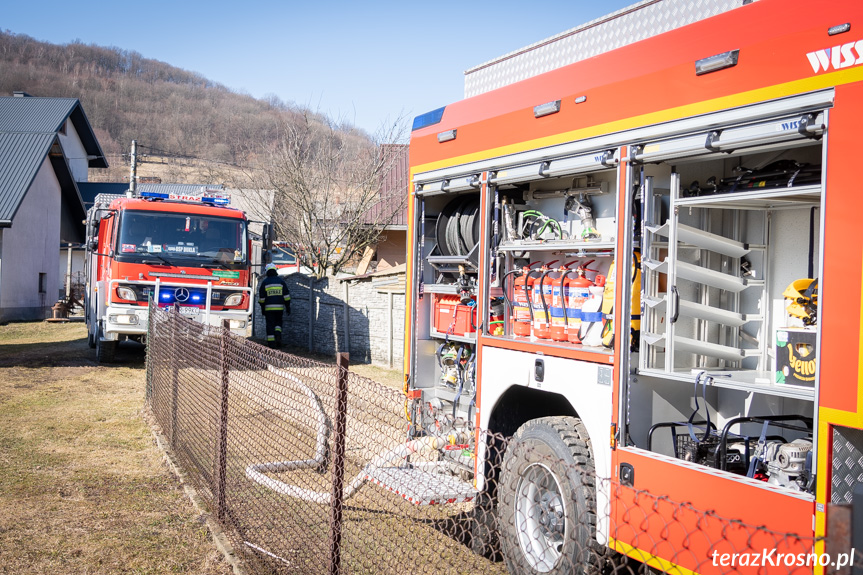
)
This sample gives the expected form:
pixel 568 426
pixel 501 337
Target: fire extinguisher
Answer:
pixel 576 291
pixel 521 312
pixel 541 296
pixel 557 309
pixel 590 330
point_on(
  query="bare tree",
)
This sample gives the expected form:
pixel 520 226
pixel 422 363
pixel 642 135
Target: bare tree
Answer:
pixel 322 186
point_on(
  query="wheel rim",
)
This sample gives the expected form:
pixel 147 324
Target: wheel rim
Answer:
pixel 540 515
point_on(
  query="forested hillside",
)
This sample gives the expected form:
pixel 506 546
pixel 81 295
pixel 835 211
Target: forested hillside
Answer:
pixel 171 112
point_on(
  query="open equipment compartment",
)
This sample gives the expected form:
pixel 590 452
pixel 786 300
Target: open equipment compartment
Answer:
pixel 449 219
pixel 557 225
pixel 731 222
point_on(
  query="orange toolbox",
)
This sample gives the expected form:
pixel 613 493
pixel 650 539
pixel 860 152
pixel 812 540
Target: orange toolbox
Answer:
pixel 453 317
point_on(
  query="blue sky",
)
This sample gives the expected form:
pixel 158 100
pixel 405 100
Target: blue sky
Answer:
pixel 362 62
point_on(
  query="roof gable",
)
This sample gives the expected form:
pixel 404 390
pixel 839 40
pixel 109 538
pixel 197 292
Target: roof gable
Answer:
pixel 21 157
pixel 28 114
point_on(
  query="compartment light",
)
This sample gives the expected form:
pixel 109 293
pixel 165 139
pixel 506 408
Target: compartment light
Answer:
pixel 672 149
pixel 717 62
pixel 579 164
pixel 810 126
pixel 546 109
pixel 518 174
pixel 839 29
pixel 462 184
pixel 431 187
pixel 447 136
pixel 581 99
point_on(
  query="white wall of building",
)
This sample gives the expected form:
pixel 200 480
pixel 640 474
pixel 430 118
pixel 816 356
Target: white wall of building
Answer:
pixel 76 155
pixel 29 248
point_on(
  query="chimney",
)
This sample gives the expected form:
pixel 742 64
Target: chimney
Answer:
pixel 21 94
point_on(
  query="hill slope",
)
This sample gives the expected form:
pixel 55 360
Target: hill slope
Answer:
pixel 195 128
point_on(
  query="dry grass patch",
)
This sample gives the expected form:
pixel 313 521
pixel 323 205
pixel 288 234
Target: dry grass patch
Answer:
pixel 84 489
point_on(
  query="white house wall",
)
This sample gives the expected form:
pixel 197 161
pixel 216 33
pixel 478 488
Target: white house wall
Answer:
pixel 29 248
pixel 76 155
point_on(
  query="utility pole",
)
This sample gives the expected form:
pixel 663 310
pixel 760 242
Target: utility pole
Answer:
pixel 133 170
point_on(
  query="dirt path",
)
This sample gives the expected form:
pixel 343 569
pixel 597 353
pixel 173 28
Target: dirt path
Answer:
pixel 83 487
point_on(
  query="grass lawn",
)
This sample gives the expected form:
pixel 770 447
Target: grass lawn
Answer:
pixel 83 488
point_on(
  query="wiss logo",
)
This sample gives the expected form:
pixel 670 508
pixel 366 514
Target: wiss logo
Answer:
pixel 837 57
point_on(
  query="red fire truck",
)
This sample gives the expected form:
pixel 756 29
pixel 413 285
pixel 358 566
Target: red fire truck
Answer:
pixel 648 262
pixel 190 250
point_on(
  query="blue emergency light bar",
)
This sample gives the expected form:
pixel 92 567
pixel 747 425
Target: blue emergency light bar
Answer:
pixel 214 199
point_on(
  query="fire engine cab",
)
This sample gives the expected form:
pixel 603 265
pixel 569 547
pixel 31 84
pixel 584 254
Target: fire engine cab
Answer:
pixel 648 264
pixel 193 251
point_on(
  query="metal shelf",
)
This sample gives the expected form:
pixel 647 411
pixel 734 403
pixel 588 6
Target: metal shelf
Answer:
pixel 799 196
pixel 705 276
pixel 705 240
pixel 452 337
pixel 554 245
pixel 445 289
pixel 701 311
pixel 450 264
pixel 741 380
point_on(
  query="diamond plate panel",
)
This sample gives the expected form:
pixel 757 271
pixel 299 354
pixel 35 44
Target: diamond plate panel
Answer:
pixel 628 25
pixel 847 463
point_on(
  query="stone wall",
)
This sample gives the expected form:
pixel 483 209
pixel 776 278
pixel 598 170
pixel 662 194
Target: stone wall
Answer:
pixel 374 332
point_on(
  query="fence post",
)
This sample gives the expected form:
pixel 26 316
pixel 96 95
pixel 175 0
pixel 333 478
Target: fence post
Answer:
pixel 346 315
pixel 221 460
pixel 337 494
pixel 175 375
pixel 311 313
pixel 391 328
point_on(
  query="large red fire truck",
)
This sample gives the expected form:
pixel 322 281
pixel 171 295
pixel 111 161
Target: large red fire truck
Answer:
pixel 655 253
pixel 193 251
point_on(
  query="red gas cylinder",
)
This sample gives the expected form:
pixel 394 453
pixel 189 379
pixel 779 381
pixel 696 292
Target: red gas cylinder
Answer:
pixel 576 290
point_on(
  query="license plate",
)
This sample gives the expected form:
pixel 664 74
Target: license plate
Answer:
pixel 189 311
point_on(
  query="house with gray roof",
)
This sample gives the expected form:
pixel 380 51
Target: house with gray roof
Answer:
pixel 46 147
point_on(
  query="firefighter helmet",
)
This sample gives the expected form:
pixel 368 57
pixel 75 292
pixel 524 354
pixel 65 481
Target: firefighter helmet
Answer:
pixel 802 298
pixel 270 266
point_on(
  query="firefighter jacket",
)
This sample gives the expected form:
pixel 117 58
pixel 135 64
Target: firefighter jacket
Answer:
pixel 273 294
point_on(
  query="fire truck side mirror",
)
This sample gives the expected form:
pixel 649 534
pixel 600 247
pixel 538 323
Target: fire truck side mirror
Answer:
pixel 267 237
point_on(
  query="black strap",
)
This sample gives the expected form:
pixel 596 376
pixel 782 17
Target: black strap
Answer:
pixel 811 243
pixel 689 425
pixel 762 441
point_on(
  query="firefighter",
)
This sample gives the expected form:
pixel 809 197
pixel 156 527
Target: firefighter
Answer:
pixel 274 298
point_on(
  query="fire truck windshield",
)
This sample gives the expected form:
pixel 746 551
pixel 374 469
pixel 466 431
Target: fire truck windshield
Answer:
pixel 181 239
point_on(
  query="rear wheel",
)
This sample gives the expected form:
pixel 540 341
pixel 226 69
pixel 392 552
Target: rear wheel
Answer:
pixel 547 500
pixel 105 349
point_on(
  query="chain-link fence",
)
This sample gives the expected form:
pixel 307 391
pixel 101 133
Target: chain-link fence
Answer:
pixel 310 469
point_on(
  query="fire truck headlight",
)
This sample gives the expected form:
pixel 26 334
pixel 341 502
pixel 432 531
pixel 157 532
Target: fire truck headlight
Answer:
pixel 234 299
pixel 123 319
pixel 237 324
pixel 127 293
